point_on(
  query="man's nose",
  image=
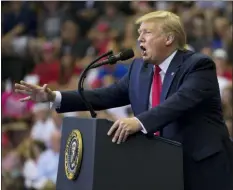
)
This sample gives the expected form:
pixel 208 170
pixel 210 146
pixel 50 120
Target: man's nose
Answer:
pixel 140 38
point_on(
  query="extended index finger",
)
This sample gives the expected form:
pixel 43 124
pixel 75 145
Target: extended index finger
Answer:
pixel 32 86
pixel 21 87
pixel 114 127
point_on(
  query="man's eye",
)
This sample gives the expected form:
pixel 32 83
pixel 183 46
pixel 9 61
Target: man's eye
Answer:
pixel 144 32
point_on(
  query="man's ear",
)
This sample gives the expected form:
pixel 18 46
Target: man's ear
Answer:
pixel 170 39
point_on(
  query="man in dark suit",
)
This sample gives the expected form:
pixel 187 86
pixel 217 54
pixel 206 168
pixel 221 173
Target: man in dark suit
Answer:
pixel 173 92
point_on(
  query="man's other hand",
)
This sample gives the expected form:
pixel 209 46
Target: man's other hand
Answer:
pixel 122 128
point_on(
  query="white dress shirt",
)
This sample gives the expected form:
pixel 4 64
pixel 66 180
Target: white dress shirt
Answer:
pixel 163 66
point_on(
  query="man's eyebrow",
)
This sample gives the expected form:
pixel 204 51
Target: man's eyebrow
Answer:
pixel 146 29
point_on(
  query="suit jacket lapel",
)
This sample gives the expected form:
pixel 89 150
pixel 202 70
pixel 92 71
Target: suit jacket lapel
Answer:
pixel 170 74
pixel 145 86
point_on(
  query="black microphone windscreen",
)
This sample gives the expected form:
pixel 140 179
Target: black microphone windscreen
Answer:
pixel 127 54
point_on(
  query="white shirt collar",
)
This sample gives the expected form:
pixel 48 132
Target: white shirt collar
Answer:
pixel 165 64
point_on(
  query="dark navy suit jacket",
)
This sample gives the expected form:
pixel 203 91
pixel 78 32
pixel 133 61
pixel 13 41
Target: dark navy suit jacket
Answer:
pixel 190 111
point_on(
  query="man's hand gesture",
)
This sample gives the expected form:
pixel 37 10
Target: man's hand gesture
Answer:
pixel 35 93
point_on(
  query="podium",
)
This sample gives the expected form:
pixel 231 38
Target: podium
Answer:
pixel 140 163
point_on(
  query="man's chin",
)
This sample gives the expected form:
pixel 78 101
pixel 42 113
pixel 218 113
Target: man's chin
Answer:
pixel 145 58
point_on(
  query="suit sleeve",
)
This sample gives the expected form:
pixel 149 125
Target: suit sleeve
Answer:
pixel 115 95
pixel 199 84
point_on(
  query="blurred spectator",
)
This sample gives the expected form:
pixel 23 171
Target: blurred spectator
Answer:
pixel 11 161
pixel 57 119
pixel 50 20
pixel 52 65
pixel 44 125
pixel 227 107
pixel 86 12
pixel 223 73
pixel 48 160
pixel 113 18
pixel 14 133
pixel 227 100
pixel 129 39
pixel 73 49
pixel 199 36
pixel 50 17
pixel 11 107
pixel 229 127
pixel 141 7
pixel 221 25
pixel 18 25
pixel 220 58
pixel 30 168
pixel 229 44
pixel 109 74
pixel 100 36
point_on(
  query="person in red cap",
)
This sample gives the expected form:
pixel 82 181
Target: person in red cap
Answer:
pixel 49 69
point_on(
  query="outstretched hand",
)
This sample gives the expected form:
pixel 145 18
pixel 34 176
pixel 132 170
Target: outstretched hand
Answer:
pixel 35 93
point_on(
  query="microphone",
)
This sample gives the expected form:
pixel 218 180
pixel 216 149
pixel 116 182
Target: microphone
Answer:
pixel 112 59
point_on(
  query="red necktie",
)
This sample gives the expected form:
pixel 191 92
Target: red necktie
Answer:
pixel 156 89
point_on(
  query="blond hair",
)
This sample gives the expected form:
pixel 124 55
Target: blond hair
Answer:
pixel 171 23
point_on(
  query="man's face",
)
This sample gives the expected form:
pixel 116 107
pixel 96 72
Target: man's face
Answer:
pixel 152 41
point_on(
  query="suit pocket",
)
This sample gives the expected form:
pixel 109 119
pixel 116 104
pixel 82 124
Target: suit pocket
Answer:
pixel 207 152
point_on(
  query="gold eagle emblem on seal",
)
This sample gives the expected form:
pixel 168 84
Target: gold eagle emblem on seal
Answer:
pixel 73 154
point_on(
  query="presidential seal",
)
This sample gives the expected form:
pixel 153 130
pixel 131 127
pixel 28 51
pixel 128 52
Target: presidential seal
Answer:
pixel 73 154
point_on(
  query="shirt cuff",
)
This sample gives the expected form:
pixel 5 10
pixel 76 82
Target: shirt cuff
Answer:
pixel 143 128
pixel 57 102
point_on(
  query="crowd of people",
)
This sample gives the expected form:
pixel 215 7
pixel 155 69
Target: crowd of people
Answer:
pixel 51 42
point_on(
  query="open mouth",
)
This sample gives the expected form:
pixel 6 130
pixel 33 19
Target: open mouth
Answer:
pixel 143 50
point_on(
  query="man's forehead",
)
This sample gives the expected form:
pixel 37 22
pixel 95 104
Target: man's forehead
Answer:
pixel 148 25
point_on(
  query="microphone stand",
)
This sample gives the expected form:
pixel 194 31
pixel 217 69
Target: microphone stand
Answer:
pixel 81 82
pixel 101 64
